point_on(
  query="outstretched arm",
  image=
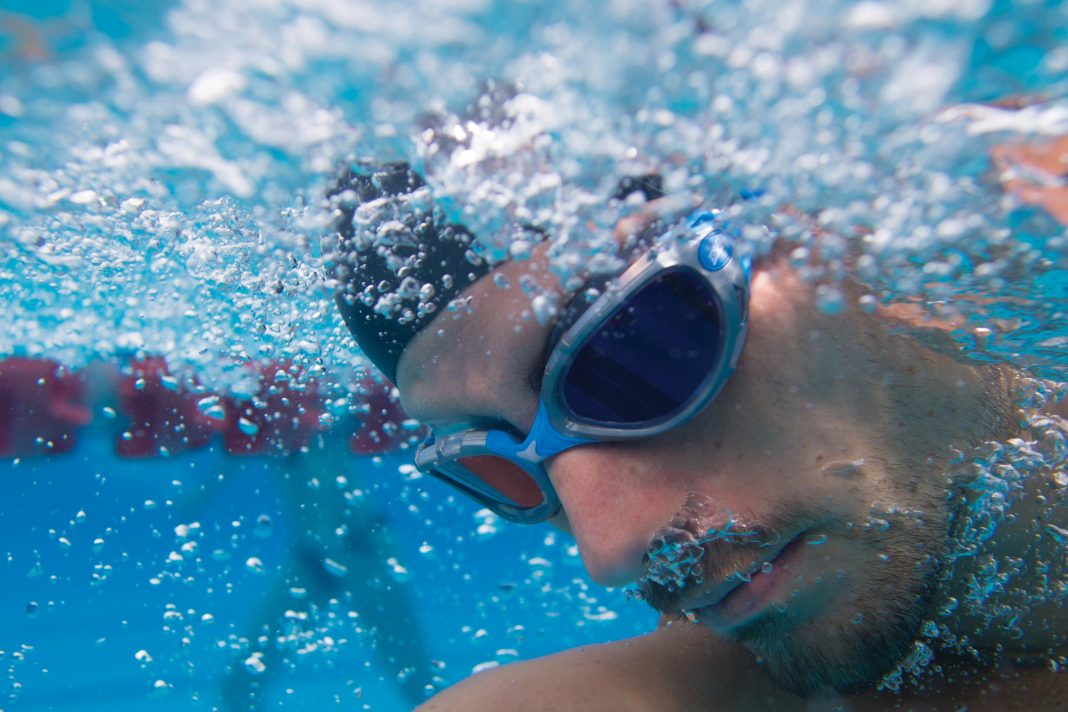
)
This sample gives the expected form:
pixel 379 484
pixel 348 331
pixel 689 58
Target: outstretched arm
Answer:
pixel 678 667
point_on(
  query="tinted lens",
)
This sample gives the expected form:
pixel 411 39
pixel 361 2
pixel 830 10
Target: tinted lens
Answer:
pixel 649 358
pixel 505 477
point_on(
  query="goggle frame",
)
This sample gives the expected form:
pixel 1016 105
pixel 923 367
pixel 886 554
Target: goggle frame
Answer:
pixel 698 245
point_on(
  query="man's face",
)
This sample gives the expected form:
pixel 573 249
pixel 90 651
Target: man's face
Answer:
pixel 823 453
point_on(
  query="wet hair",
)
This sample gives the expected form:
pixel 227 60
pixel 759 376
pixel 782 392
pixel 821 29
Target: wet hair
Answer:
pixel 397 262
pixel 650 185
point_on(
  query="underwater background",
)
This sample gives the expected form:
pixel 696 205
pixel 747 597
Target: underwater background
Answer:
pixel 205 494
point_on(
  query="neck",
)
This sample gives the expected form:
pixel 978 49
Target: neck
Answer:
pixel 1005 577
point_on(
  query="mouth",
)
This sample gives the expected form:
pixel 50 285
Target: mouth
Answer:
pixel 744 596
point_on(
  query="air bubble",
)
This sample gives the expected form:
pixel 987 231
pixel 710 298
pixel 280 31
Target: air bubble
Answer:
pixel 247 427
pixel 844 468
pixel 545 307
pixel 335 568
pixel 263 526
pixel 212 407
pixel 397 572
pixel 520 249
pixel 254 664
pixel 1059 534
pixel 829 300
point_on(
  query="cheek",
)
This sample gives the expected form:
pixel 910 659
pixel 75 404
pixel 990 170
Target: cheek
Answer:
pixel 615 500
pixel 620 480
pixel 762 466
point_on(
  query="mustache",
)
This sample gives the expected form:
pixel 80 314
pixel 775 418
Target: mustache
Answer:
pixel 704 543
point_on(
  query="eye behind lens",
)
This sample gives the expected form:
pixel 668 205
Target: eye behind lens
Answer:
pixel 516 485
pixel 650 357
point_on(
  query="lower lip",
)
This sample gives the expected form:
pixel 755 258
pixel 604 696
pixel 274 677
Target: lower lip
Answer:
pixel 749 600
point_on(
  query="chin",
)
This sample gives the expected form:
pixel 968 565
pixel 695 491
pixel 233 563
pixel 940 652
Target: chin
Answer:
pixel 828 654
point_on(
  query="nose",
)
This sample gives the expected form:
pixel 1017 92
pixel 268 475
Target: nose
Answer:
pixel 613 505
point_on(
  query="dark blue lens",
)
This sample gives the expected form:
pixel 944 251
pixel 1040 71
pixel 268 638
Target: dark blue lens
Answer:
pixel 649 358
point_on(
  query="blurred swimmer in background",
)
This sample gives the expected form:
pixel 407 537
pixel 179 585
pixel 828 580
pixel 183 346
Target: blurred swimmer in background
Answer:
pixel 825 510
pixel 338 580
pixel 341 557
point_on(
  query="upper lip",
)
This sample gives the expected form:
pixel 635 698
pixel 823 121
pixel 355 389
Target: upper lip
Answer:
pixel 729 582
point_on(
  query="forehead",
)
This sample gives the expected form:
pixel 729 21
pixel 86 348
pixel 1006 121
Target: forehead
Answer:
pixel 473 361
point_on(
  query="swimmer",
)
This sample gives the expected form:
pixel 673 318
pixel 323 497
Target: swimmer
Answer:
pixel 337 537
pixel 826 512
pixel 338 562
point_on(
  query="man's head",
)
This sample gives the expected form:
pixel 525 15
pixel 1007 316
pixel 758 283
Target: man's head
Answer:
pixel 802 513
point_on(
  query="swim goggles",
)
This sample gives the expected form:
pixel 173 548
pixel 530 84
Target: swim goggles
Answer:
pixel 645 356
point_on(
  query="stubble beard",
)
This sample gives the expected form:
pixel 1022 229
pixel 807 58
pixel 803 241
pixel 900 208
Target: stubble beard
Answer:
pixel 841 652
pixel 836 652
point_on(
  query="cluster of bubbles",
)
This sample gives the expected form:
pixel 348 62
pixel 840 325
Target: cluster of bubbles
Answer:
pixel 999 477
pixel 163 193
pixel 676 551
pixel 1013 488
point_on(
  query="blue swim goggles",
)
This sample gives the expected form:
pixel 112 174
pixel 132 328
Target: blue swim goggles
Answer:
pixel 647 355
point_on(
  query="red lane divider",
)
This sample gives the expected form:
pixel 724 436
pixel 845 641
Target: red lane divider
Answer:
pixel 282 418
pixel 163 413
pixel 381 428
pixel 43 405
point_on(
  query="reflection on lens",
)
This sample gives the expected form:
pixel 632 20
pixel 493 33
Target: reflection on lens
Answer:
pixel 647 361
pixel 505 477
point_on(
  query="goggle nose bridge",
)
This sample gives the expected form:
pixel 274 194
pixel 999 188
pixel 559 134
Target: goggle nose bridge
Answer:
pixel 545 441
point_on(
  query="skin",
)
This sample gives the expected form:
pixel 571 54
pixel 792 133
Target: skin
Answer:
pixel 812 394
pixel 1037 173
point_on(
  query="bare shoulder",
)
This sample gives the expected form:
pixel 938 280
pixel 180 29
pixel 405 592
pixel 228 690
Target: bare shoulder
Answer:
pixel 679 667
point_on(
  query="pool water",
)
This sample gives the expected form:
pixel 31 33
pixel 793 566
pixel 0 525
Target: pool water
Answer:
pixel 162 167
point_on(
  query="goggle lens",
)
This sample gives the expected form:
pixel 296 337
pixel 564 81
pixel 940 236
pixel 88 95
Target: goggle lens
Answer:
pixel 650 357
pixel 505 477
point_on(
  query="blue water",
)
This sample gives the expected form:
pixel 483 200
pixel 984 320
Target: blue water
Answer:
pixel 79 645
pixel 161 167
